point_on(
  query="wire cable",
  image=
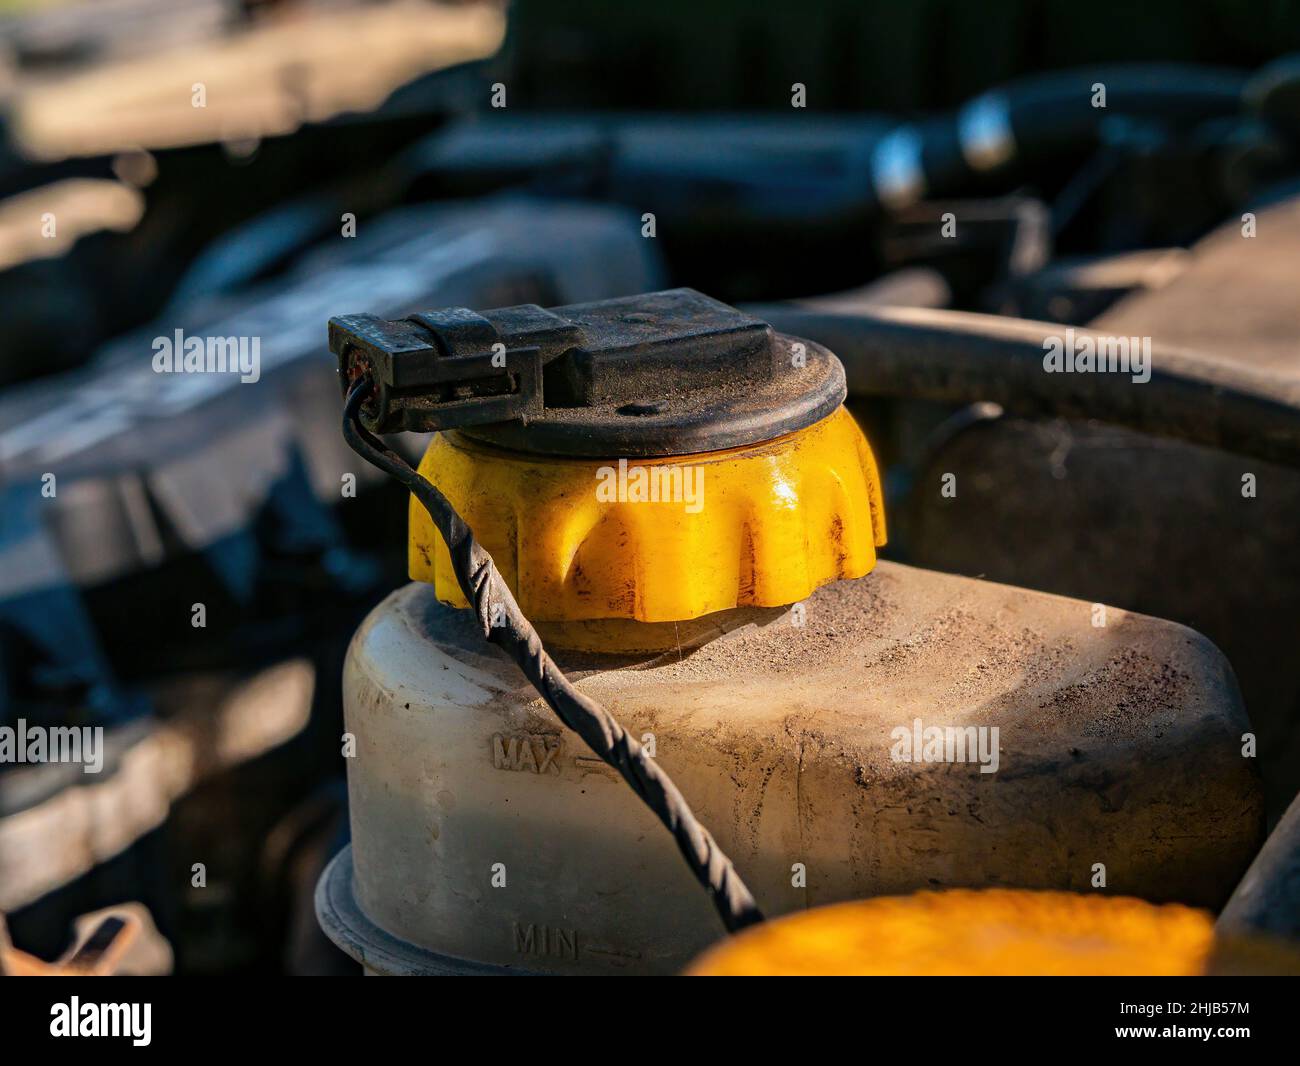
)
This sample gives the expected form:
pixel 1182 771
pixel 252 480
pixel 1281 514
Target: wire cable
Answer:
pixel 504 624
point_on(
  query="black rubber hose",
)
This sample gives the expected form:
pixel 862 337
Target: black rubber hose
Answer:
pixel 958 358
pixel 1273 93
pixel 504 624
pixel 1051 109
pixel 1044 117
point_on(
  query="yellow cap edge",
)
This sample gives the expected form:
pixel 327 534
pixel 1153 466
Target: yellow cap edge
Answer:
pixel 763 525
pixel 966 932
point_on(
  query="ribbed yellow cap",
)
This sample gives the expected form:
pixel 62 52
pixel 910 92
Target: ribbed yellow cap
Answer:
pixel 997 932
pixel 660 540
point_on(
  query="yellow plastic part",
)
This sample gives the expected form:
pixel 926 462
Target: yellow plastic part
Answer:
pixel 999 932
pixel 575 540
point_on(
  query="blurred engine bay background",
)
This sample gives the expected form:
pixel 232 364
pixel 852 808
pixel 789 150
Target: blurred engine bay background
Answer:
pixel 249 169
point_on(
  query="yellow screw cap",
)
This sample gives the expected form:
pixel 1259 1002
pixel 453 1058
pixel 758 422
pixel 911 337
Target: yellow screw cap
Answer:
pixel 659 540
pixel 998 932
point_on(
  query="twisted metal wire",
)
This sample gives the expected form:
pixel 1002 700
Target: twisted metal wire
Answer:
pixel 492 602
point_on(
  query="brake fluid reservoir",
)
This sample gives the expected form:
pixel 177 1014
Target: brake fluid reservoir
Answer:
pixel 681 505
